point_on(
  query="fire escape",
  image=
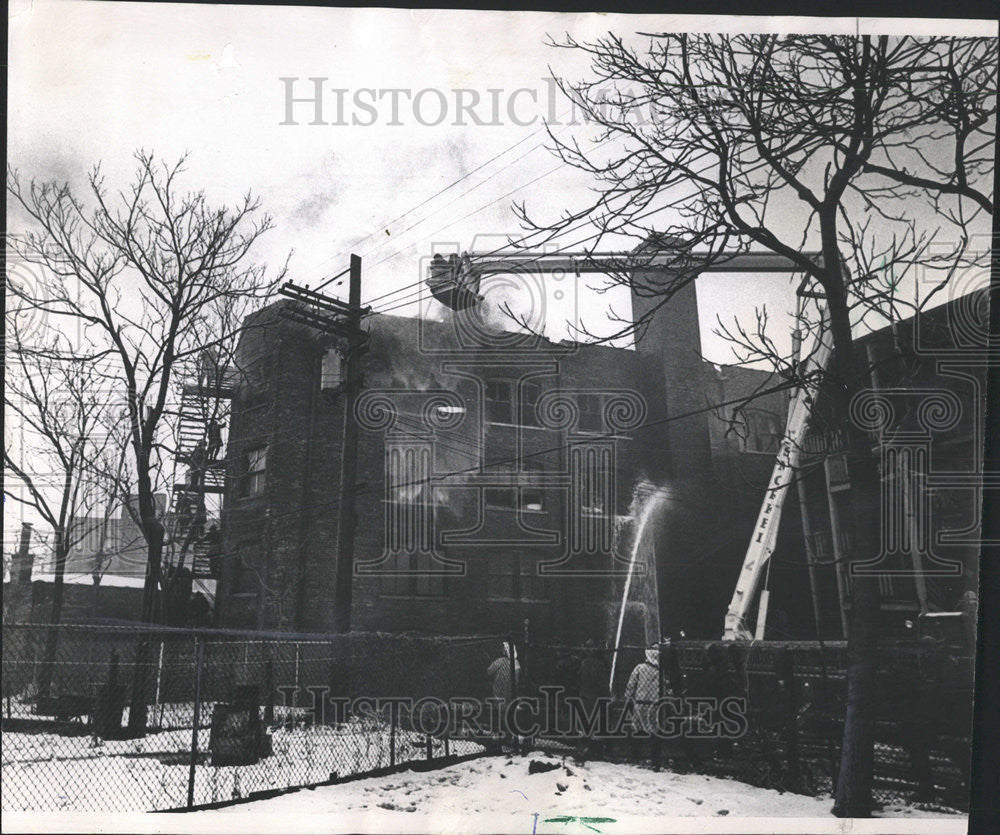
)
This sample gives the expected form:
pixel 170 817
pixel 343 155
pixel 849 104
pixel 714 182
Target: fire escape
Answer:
pixel 201 455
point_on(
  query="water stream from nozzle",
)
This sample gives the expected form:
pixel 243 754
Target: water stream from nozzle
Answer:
pixel 651 498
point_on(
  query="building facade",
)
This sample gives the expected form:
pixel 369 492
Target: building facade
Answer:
pixel 500 478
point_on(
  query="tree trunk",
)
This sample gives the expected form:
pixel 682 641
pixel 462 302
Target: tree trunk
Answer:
pixel 853 796
pixel 143 655
pixel 52 633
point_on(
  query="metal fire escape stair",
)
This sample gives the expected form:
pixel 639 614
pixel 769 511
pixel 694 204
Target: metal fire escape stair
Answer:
pixel 198 407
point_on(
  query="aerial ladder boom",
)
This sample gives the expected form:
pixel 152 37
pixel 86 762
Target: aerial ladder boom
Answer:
pixel 765 532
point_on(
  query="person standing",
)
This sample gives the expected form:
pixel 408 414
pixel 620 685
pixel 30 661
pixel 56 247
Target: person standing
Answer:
pixel 503 673
pixel 641 694
pixel 214 439
pixel 196 466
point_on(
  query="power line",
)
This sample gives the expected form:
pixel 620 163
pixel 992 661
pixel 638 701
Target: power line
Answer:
pixel 464 193
pixel 597 437
pixel 399 252
pixel 582 222
pixel 464 177
pixel 524 238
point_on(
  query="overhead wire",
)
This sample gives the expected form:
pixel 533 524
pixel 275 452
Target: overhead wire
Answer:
pixel 582 222
pixel 465 176
pixel 783 386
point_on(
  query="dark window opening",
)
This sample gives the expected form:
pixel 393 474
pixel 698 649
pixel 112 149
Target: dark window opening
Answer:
pixel 499 401
pixel 513 576
pixel 763 431
pixel 523 493
pixel 246 574
pixel 530 392
pixel 254 475
pixel 591 413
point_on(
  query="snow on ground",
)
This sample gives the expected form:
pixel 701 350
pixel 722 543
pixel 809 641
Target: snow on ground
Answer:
pixel 52 772
pixel 499 794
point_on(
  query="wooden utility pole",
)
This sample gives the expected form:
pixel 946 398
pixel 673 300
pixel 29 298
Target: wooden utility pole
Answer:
pixel 20 578
pixel 332 316
pixel 348 519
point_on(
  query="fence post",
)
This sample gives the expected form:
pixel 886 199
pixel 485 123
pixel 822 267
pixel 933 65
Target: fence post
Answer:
pixel 297 684
pixel 200 656
pixel 514 683
pixel 784 666
pixel 157 709
pixel 392 734
pixel 269 688
pixel 512 657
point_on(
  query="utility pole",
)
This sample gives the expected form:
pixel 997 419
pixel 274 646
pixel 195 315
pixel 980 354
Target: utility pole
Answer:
pixel 348 518
pixel 20 577
pixel 332 316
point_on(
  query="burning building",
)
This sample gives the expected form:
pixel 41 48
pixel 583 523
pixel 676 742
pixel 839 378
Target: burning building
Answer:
pixel 499 481
pixel 496 473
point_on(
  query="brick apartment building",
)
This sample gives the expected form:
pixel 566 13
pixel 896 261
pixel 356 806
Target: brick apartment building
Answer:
pixel 496 472
pixel 927 415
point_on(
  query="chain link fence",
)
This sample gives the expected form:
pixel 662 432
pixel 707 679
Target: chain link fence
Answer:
pixel 119 720
pixel 767 714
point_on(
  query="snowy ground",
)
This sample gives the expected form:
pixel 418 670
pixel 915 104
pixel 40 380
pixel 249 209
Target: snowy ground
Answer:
pixel 499 794
pixel 52 772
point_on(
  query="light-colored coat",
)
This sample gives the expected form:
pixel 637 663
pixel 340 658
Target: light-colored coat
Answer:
pixel 643 689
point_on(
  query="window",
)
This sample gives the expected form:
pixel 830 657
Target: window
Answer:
pixel 245 581
pixel 331 369
pixel 501 396
pixel 499 401
pixel 763 431
pixel 411 575
pixel 254 471
pixel 591 413
pixel 532 498
pixel 530 392
pixel 246 573
pixel 524 493
pixel 513 576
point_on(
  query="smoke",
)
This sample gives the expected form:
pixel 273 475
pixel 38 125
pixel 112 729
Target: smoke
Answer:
pixel 507 303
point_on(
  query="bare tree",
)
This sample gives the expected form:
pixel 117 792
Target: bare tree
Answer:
pixel 60 406
pixel 848 156
pixel 152 276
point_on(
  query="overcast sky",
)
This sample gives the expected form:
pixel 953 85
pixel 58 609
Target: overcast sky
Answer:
pixel 93 81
